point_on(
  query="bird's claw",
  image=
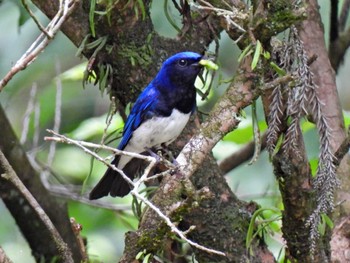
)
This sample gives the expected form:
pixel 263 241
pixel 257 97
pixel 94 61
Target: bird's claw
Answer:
pixel 154 155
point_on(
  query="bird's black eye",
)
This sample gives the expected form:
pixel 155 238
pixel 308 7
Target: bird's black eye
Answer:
pixel 182 62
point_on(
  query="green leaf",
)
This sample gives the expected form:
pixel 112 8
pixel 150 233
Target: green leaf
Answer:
pixel 267 55
pixel 139 255
pixel 95 127
pixel 143 9
pixel 23 14
pixel 92 17
pixel 82 46
pixel 244 134
pixel 314 166
pixel 245 52
pixel 281 72
pixel 147 258
pixel 328 221
pixel 75 73
pixel 321 228
pixel 257 53
pixel 250 232
pixel 307 126
pixel 346 119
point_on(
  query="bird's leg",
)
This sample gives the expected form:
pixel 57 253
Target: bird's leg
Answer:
pixel 170 154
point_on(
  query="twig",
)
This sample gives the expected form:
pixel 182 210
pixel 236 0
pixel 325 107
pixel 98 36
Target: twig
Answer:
pixel 29 110
pixel 71 192
pixel 36 21
pixel 162 174
pixel 229 15
pixel 342 150
pixel 77 228
pixel 65 192
pixel 36 126
pixel 58 108
pixel 111 113
pixel 135 191
pixel 65 9
pixel 84 145
pixel 44 175
pixel 11 175
pixel 278 81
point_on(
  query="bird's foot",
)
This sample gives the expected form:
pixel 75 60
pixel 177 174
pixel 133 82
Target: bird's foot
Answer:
pixel 168 152
pixel 154 155
pixel 170 155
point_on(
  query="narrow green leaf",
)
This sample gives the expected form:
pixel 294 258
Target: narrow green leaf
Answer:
pixel 322 228
pixel 169 17
pixel 257 135
pixel 244 52
pixel 257 53
pixel 101 13
pixel 250 234
pixel 143 9
pixel 92 17
pixel 139 255
pixel 23 14
pixel 328 221
pixel 281 72
pixel 147 258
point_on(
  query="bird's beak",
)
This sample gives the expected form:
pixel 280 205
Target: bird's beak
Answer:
pixel 208 64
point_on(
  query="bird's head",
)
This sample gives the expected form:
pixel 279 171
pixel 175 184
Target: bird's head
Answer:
pixel 180 69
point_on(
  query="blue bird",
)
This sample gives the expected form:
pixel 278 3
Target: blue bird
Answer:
pixel 158 117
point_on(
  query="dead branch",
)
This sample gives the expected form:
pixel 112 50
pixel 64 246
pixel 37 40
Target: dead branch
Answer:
pixel 65 9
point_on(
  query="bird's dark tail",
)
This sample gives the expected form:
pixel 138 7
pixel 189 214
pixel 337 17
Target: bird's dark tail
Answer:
pixel 113 183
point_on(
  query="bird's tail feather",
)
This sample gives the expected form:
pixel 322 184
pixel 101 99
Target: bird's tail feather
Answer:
pixel 113 183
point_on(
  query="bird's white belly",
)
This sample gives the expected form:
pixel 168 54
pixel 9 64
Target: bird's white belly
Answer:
pixel 154 132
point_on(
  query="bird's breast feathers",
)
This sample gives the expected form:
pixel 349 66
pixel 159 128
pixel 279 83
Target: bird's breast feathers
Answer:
pixel 154 132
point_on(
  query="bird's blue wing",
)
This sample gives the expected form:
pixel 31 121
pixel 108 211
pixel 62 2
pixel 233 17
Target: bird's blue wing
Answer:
pixel 141 111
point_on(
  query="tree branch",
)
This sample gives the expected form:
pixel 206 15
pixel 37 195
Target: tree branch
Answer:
pixel 65 9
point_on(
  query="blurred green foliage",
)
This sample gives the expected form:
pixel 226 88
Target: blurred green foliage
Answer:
pixel 84 118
